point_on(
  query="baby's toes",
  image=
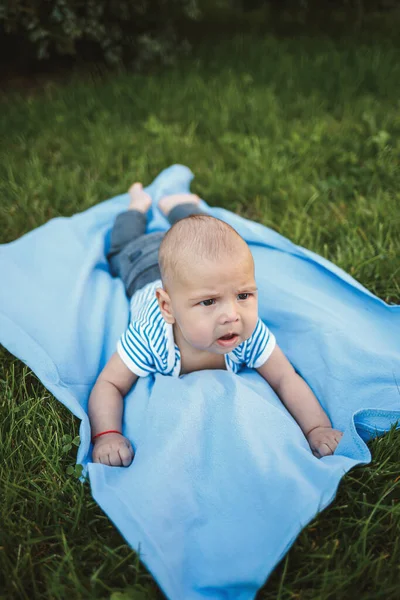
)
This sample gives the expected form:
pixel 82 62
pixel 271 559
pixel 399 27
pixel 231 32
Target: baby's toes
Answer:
pixel 139 199
pixel 135 188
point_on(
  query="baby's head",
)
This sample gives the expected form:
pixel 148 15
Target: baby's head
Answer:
pixel 209 289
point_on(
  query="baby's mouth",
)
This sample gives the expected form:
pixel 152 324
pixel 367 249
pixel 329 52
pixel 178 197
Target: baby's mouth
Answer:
pixel 228 340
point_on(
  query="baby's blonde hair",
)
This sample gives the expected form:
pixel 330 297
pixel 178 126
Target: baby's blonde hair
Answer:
pixel 197 237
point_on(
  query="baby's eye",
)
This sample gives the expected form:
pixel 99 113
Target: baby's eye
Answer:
pixel 243 296
pixel 209 302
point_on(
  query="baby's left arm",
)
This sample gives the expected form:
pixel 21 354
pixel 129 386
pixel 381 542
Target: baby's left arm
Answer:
pixel 302 404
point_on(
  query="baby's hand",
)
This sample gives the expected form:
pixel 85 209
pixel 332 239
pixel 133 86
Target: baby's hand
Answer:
pixel 323 440
pixel 113 449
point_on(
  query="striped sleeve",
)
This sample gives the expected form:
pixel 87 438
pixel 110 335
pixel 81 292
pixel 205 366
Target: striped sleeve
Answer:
pixel 134 349
pixel 259 346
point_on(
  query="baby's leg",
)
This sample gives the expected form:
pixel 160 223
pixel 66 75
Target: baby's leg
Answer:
pixel 133 253
pixel 179 206
pixel 130 224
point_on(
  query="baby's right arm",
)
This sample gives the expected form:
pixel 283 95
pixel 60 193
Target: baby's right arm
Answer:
pixel 106 404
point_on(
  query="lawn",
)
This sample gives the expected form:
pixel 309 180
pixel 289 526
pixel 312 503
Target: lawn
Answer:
pixel 299 134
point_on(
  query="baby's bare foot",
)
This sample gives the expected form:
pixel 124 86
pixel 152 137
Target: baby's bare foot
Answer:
pixel 140 200
pixel 167 203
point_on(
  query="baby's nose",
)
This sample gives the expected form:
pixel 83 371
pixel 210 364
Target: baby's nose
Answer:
pixel 230 314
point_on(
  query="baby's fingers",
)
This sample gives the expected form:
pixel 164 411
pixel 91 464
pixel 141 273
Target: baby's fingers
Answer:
pixel 322 448
pixel 100 456
pixel 337 435
pixel 107 455
pixel 325 450
pixel 114 458
pixel 126 455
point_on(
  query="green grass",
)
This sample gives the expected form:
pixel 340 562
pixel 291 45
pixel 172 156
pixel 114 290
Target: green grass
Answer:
pixel 301 135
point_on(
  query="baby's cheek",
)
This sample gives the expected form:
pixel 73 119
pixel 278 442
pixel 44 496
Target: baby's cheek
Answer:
pixel 200 331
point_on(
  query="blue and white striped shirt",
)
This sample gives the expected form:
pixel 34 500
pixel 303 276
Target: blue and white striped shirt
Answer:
pixel 148 345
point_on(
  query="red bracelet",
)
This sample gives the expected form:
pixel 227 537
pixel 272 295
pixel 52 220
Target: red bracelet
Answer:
pixel 104 433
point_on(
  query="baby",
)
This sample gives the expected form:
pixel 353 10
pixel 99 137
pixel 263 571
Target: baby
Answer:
pixel 193 307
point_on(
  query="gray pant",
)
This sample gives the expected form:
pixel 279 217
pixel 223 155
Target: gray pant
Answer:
pixel 133 254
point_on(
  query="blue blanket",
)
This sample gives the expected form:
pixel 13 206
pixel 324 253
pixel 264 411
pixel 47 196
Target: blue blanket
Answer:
pixel 223 479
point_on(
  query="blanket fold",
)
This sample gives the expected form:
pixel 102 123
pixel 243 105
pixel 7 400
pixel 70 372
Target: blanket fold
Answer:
pixel 223 479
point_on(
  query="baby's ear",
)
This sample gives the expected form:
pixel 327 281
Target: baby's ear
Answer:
pixel 164 302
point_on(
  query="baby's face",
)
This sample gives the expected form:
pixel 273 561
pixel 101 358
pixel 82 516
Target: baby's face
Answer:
pixel 215 305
